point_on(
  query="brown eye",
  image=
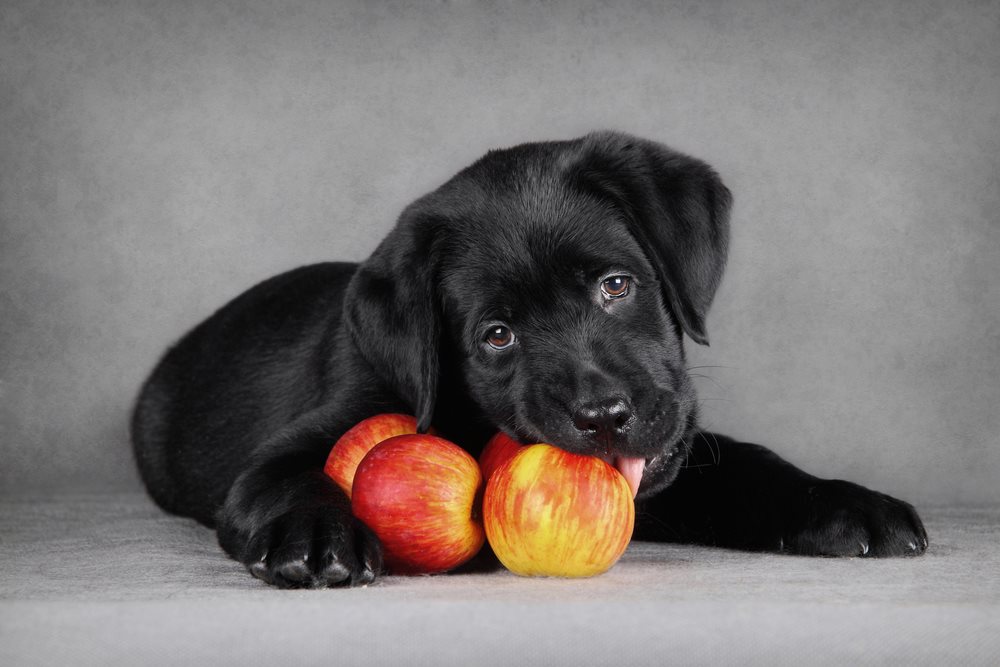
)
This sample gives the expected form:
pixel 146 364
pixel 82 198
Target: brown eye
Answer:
pixel 499 337
pixel 615 287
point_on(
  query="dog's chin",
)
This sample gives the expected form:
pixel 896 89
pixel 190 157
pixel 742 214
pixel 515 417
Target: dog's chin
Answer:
pixel 660 471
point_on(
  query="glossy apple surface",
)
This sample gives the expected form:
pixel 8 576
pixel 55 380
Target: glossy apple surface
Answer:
pixel 418 494
pixel 499 448
pixel 358 440
pixel 548 512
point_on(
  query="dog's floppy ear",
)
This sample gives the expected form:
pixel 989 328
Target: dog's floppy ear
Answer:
pixel 392 314
pixel 676 207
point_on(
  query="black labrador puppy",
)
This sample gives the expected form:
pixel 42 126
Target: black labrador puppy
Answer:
pixel 544 291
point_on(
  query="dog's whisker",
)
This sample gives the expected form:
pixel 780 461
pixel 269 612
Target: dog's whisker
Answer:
pixel 716 451
pixel 695 466
pixel 718 385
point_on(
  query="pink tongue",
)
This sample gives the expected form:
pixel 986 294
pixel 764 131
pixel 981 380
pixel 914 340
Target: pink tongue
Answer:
pixel 631 469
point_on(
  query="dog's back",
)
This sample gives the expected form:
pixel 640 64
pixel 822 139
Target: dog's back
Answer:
pixel 244 372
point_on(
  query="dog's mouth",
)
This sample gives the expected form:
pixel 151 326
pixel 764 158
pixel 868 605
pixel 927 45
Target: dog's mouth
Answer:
pixel 630 467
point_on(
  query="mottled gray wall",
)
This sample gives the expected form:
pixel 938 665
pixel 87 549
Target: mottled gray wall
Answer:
pixel 158 157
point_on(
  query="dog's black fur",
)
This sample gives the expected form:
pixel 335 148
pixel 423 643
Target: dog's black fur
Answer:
pixel 585 262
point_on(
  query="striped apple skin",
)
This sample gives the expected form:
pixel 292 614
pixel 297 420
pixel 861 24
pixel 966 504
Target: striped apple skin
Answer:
pixel 418 494
pixel 548 512
pixel 357 441
pixel 499 448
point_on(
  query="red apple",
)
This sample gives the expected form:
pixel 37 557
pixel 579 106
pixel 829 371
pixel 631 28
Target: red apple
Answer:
pixel 418 494
pixel 358 441
pixel 548 512
pixel 500 448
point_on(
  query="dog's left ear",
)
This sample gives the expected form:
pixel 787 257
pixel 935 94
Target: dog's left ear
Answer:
pixel 392 314
pixel 676 207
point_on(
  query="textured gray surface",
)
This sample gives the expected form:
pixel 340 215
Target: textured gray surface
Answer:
pixel 157 157
pixel 109 579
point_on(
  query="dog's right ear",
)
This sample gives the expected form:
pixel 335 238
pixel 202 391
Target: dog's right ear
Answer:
pixel 392 314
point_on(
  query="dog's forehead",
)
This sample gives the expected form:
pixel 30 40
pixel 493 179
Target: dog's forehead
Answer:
pixel 516 227
pixel 523 245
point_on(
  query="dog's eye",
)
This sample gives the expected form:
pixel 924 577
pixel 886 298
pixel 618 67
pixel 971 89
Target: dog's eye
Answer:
pixel 499 337
pixel 615 287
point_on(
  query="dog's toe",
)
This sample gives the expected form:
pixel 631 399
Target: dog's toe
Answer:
pixel 844 519
pixel 316 549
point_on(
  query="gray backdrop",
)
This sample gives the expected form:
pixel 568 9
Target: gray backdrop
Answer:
pixel 156 158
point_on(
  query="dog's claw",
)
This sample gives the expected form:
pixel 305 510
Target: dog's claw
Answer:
pixel 845 519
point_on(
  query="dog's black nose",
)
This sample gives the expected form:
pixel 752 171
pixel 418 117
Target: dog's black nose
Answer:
pixel 605 416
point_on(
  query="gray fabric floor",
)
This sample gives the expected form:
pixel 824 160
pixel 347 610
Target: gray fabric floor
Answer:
pixel 106 580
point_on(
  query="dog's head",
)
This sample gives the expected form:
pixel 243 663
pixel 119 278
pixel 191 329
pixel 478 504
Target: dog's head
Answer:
pixel 554 282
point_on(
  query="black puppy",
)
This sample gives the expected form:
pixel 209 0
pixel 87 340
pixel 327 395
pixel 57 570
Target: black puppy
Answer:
pixel 544 290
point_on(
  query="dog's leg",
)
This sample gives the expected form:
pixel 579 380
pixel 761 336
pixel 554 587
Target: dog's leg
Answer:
pixel 740 495
pixel 288 522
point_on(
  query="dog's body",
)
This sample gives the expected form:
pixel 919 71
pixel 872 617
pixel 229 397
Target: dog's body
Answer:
pixel 543 291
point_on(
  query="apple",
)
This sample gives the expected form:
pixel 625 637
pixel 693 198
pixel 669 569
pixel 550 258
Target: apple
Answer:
pixel 548 512
pixel 348 451
pixel 418 493
pixel 499 448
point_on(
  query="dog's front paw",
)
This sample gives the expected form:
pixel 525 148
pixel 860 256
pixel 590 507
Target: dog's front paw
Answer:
pixel 314 549
pixel 839 518
pixel 307 538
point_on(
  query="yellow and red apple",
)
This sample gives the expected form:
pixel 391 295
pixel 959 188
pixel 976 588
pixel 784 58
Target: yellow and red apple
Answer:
pixel 348 451
pixel 419 494
pixel 548 512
